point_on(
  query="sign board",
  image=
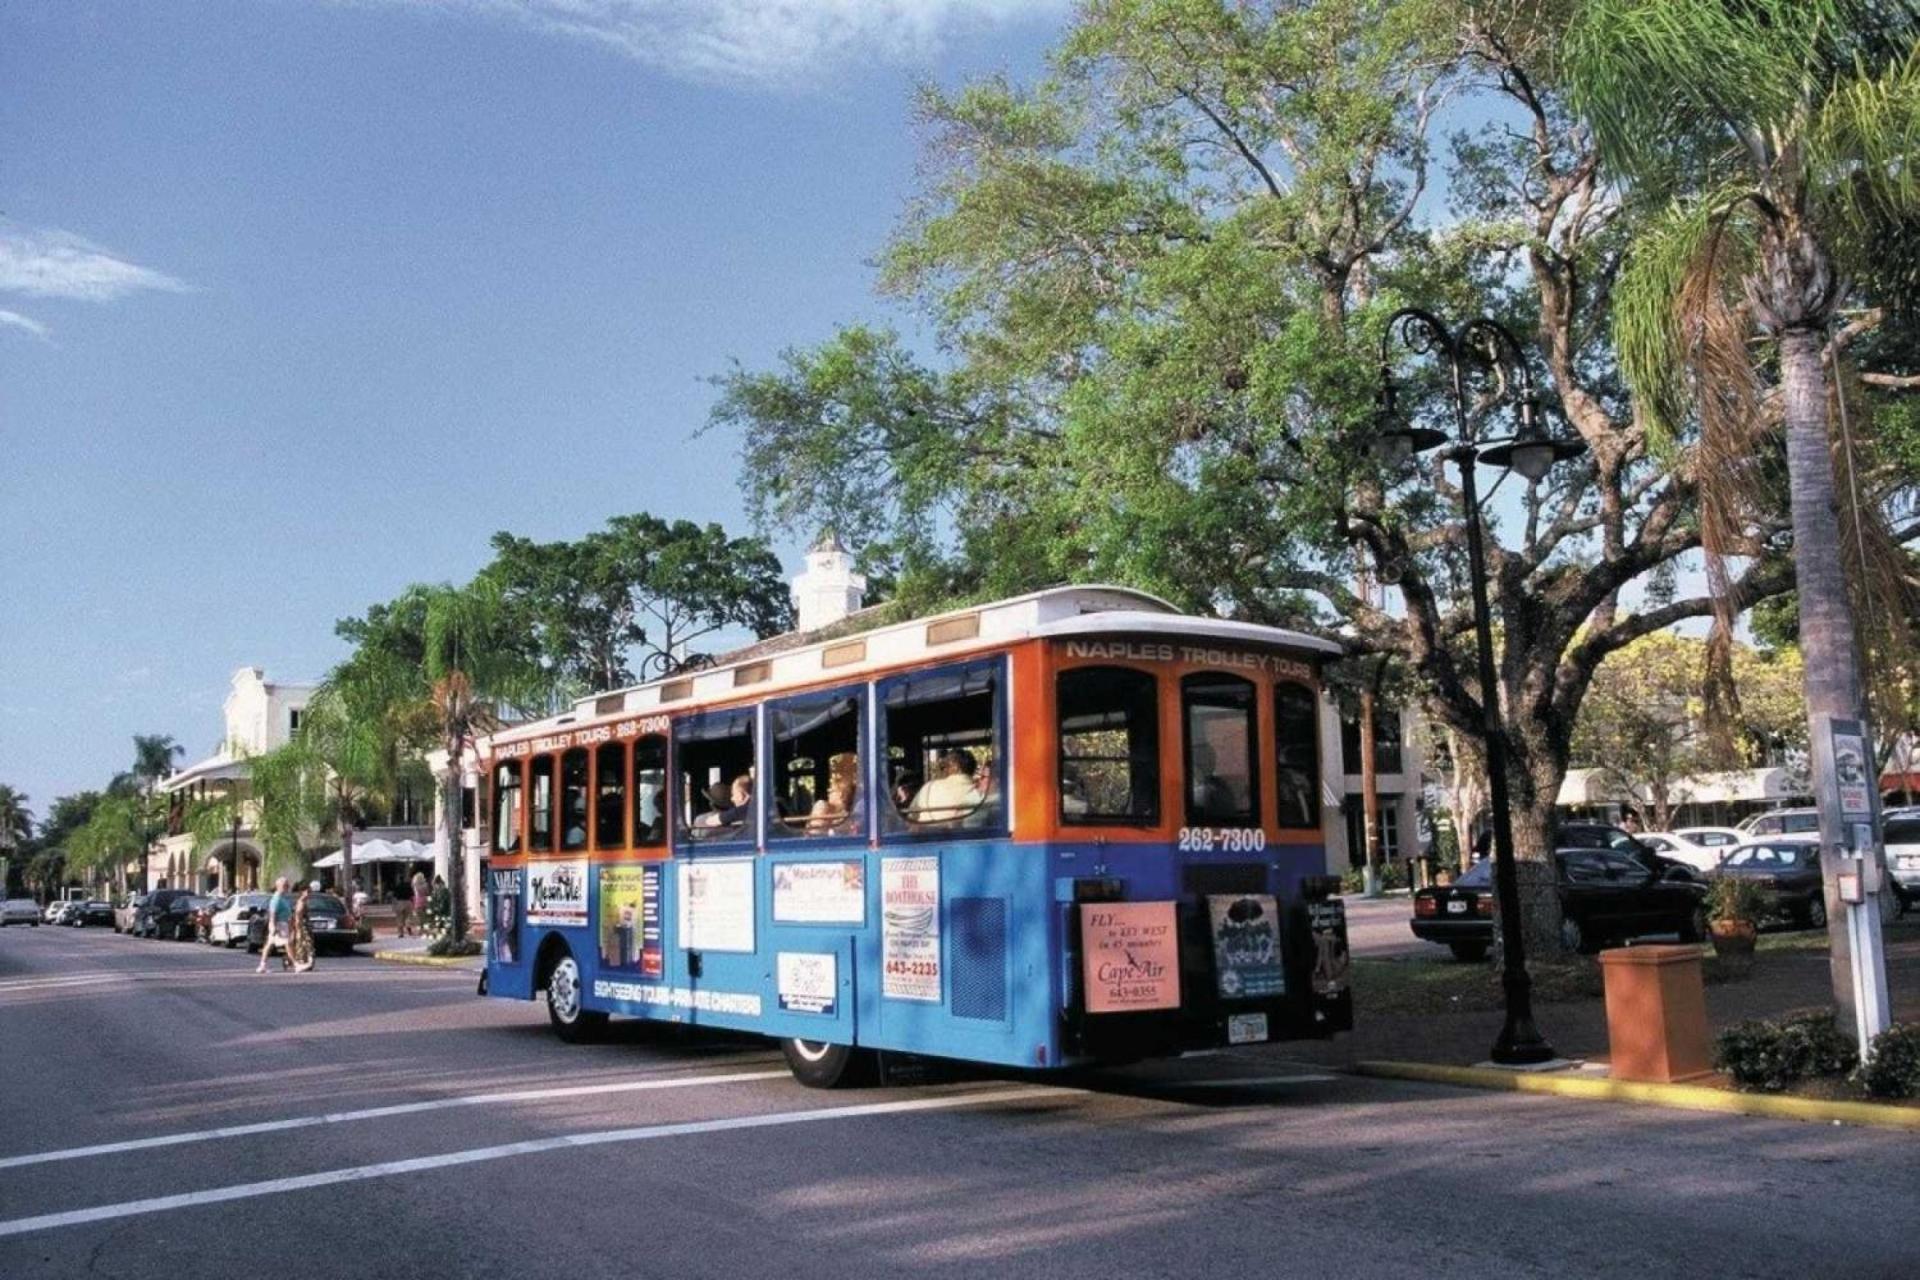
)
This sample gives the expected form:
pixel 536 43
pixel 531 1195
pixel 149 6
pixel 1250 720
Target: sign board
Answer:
pixel 503 930
pixel 557 892
pixel 808 981
pixel 910 929
pixel 1246 946
pixel 820 892
pixel 630 920
pixel 1852 768
pixel 1130 956
pixel 716 905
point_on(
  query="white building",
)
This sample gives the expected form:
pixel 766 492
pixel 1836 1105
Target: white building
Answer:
pixel 1399 773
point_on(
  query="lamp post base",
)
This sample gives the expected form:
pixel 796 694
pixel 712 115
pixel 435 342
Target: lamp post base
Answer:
pixel 1520 1043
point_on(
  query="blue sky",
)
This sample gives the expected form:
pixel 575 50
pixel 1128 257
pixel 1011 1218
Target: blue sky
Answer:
pixel 300 301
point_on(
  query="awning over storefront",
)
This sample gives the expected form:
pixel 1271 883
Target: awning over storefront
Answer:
pixel 1735 786
pixel 381 851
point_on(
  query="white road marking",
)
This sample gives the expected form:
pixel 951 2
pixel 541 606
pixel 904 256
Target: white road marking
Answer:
pixel 1246 1081
pixel 381 1113
pixel 422 1164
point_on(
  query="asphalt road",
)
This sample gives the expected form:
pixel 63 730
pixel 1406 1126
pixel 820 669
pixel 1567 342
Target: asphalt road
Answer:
pixel 1379 928
pixel 378 1120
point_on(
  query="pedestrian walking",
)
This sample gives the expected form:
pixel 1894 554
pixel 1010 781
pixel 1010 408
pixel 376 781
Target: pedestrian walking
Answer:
pixel 279 924
pixel 300 937
pixel 419 900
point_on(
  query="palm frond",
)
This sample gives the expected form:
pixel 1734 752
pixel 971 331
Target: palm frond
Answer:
pixel 1863 159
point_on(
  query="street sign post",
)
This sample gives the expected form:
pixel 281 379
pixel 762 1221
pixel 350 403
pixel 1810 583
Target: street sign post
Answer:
pixel 1852 865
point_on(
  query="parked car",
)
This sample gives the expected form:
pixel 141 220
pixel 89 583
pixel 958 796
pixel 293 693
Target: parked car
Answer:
pixel 227 926
pixel 335 928
pixel 1782 822
pixel 203 918
pixel 179 922
pixel 1607 895
pixel 1789 867
pixel 51 913
pixel 20 911
pixel 92 911
pixel 146 920
pixel 1902 834
pixel 124 914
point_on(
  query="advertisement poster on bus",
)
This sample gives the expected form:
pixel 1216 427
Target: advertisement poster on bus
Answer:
pixel 630 920
pixel 820 892
pixel 716 904
pixel 503 933
pixel 1130 956
pixel 1246 945
pixel 910 929
pixel 808 982
pixel 557 893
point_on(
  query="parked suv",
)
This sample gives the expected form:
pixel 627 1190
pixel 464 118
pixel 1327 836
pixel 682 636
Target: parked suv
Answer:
pixel 1903 857
pixel 1783 822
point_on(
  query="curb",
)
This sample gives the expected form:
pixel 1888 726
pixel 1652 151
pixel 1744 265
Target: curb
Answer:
pixel 1688 1097
pixel 438 962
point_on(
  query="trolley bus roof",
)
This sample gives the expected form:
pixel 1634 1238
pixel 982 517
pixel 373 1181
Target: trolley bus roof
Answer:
pixel 829 653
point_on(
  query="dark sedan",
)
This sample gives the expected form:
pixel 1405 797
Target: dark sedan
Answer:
pixel 1606 895
pixel 86 913
pixel 334 927
pixel 180 921
pixel 148 917
pixel 1789 868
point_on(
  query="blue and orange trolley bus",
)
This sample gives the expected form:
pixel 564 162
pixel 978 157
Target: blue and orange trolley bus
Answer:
pixel 1071 827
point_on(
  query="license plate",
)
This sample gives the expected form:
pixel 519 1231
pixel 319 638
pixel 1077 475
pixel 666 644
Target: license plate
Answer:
pixel 322 922
pixel 1247 1028
pixel 1456 908
pixel 1908 862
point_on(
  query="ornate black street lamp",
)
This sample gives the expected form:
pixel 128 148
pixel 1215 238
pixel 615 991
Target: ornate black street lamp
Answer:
pixel 1484 345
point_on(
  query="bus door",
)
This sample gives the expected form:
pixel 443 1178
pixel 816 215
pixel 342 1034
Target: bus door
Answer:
pixel 509 972
pixel 714 963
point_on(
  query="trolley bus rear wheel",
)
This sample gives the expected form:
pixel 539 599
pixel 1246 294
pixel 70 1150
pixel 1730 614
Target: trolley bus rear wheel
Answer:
pixel 571 1021
pixel 828 1066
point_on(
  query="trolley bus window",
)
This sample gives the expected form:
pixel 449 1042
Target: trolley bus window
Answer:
pixel 816 766
pixel 650 792
pixel 715 755
pixel 573 799
pixel 1109 746
pixel 610 799
pixel 1296 749
pixel 1223 787
pixel 944 764
pixel 540 803
pixel 506 809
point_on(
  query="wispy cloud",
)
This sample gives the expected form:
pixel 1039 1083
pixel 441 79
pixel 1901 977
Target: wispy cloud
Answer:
pixel 14 320
pixel 48 263
pixel 774 42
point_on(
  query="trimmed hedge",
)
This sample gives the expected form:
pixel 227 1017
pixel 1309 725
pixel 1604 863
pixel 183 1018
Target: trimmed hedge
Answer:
pixel 1771 1056
pixel 1892 1068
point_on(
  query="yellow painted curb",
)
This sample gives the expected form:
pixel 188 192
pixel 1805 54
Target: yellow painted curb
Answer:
pixel 442 962
pixel 1689 1097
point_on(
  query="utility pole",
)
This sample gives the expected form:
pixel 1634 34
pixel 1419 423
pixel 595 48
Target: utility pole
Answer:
pixel 1369 776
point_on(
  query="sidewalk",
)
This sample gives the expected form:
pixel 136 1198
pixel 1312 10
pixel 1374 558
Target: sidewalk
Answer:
pixel 413 950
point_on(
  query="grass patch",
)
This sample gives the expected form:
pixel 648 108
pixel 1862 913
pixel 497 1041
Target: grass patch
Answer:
pixel 1423 986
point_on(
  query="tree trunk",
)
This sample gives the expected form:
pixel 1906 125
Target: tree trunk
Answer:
pixel 1827 638
pixel 1466 792
pixel 346 857
pixel 456 854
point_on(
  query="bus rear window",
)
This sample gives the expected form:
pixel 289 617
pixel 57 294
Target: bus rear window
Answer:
pixel 1296 751
pixel 943 758
pixel 1223 785
pixel 540 803
pixel 1109 746
pixel 715 755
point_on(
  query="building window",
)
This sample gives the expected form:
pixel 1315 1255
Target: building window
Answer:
pixel 610 796
pixel 293 720
pixel 816 765
pixel 715 755
pixel 650 792
pixel 1357 829
pixel 540 804
pixel 1109 746
pixel 943 761
pixel 506 809
pixel 573 800
pixel 468 808
pixel 1296 751
pixel 1223 781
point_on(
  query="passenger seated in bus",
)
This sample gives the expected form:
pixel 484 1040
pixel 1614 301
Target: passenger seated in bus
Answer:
pixel 1073 793
pixel 952 794
pixel 843 788
pixel 742 801
pixel 1212 796
pixel 986 811
pixel 719 800
pixel 905 788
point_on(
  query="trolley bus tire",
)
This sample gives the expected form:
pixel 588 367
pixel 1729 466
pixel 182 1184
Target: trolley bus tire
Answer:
pixel 828 1066
pixel 571 1021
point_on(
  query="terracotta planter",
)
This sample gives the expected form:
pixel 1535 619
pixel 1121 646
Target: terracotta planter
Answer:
pixel 1733 937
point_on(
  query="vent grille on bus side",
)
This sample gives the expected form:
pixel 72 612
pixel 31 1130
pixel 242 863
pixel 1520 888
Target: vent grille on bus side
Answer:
pixel 979 958
pixel 1225 877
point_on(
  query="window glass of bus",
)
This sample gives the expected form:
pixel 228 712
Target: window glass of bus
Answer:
pixel 945 768
pixel 1109 746
pixel 1296 752
pixel 506 809
pixel 714 754
pixel 610 796
pixel 540 803
pixel 816 765
pixel 573 799
pixel 1223 786
pixel 649 792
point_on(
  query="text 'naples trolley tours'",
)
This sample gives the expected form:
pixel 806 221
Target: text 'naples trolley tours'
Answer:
pixel 1068 827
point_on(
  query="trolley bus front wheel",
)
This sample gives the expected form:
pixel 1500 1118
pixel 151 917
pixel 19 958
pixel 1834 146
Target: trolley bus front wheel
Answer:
pixel 828 1066
pixel 572 1022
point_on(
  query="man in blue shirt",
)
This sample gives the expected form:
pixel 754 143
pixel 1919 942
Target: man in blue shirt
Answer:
pixel 279 924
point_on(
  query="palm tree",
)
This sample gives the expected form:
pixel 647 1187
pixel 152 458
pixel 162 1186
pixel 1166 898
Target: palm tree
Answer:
pixel 16 819
pixel 1782 132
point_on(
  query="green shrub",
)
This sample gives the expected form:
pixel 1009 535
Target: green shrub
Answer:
pixel 1773 1056
pixel 1738 900
pixel 1892 1068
